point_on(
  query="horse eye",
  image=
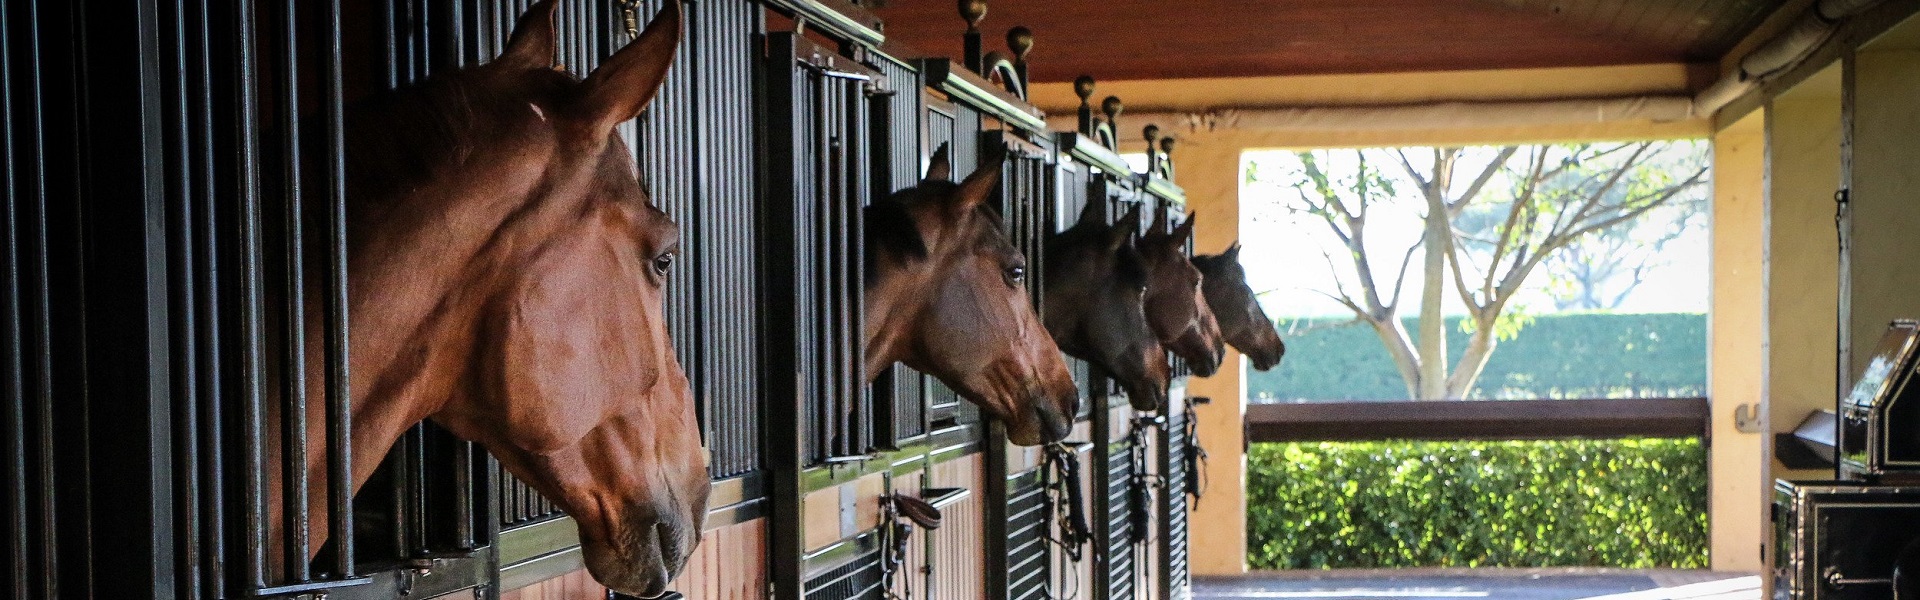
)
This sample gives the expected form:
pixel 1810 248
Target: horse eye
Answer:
pixel 1016 274
pixel 663 263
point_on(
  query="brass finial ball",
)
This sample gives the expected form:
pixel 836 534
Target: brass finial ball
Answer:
pixel 973 11
pixel 1111 106
pixel 1020 41
pixel 1152 132
pixel 1083 86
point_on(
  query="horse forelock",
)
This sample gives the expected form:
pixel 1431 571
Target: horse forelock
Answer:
pixel 402 138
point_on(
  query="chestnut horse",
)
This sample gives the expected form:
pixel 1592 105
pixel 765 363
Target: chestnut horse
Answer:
pixel 505 276
pixel 946 294
pixel 1244 324
pixel 1096 285
pixel 1175 308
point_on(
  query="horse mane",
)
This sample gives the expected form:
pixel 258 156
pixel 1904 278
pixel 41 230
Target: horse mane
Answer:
pixel 890 227
pixel 1130 268
pixel 435 118
pixel 1205 262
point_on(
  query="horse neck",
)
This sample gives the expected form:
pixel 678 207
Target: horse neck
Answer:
pixel 896 300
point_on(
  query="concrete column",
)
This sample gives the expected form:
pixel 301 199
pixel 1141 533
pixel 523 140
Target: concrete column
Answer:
pixel 1208 167
pixel 1738 495
pixel 1885 183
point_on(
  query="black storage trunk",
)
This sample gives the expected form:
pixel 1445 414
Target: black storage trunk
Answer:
pixel 1839 540
pixel 1880 419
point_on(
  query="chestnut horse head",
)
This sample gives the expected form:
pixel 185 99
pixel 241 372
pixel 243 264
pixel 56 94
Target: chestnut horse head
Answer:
pixel 1175 308
pixel 1096 288
pixel 946 293
pixel 505 281
pixel 1242 322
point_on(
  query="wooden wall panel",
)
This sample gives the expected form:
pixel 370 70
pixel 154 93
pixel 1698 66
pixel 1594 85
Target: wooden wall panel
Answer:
pixel 730 565
pixel 577 585
pixel 959 556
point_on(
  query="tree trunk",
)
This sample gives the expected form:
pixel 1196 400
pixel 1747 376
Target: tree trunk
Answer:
pixel 1474 358
pixel 1433 325
pixel 1393 337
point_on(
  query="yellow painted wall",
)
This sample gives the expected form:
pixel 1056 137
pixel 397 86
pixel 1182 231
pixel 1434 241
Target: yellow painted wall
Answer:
pixel 1886 194
pixel 1210 173
pixel 1802 255
pixel 1737 496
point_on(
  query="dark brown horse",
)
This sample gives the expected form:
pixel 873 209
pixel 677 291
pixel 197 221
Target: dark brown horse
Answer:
pixel 946 294
pixel 505 281
pixel 1175 308
pixel 1242 322
pixel 1096 289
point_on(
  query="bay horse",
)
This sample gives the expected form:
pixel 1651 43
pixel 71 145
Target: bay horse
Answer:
pixel 1242 322
pixel 1096 283
pixel 946 294
pixel 505 280
pixel 1175 308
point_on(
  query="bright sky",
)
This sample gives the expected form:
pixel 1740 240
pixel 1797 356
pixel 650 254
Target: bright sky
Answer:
pixel 1284 253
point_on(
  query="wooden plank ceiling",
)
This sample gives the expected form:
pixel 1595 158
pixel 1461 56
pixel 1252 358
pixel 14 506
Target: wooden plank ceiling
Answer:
pixel 1159 39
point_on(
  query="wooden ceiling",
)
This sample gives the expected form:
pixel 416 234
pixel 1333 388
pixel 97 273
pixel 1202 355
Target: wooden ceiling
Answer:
pixel 1161 39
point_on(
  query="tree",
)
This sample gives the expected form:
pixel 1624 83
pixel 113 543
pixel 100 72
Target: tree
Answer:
pixel 1491 217
pixel 1601 270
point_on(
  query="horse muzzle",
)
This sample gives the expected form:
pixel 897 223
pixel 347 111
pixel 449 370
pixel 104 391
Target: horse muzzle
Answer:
pixel 647 554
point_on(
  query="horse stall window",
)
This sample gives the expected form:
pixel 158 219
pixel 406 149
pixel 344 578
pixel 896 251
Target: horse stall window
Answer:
pixel 956 128
pixel 899 392
pixel 820 126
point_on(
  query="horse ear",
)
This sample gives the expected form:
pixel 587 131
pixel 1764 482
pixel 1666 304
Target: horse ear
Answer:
pixel 941 167
pixel 1232 253
pixel 617 91
pixel 1123 230
pixel 1182 233
pixel 977 188
pixel 1159 222
pixel 532 44
pixel 1089 214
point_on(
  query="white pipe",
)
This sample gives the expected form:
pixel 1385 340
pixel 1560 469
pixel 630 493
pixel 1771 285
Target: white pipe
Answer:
pixel 1783 52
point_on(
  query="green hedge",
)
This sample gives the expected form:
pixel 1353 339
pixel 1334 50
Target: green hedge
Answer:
pixel 1565 355
pixel 1637 503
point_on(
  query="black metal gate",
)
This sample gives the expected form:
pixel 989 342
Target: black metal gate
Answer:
pixel 175 213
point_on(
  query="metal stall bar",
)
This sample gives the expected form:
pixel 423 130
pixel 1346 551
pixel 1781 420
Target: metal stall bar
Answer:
pixel 295 488
pixel 31 546
pixel 335 328
pixel 252 302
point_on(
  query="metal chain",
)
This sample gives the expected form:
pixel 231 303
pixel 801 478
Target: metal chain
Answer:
pixel 630 13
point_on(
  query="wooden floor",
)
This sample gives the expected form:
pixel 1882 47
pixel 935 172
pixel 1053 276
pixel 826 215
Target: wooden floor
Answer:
pixel 1496 584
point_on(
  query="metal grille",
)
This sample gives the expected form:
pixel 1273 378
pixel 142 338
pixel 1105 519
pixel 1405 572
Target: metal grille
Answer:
pixel 1173 537
pixel 820 129
pixel 856 580
pixel 1027 572
pixel 1119 521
